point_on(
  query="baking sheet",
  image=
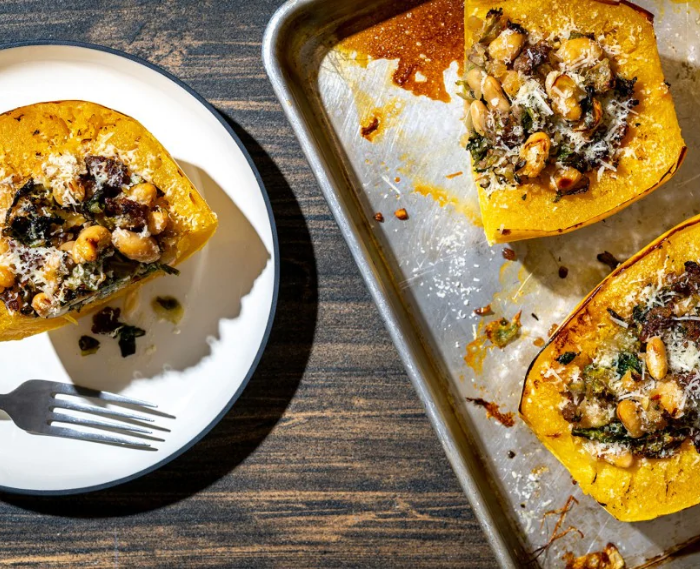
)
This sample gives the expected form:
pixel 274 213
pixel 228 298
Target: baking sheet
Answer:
pixel 444 269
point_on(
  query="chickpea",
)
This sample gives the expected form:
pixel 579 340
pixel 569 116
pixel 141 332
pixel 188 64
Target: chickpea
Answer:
pixel 623 460
pixel 568 179
pixel 474 78
pixel 565 95
pixel 670 397
pixel 68 194
pixel 535 153
pixel 478 114
pixel 42 303
pixel 7 277
pixel 580 52
pixel 657 363
pixel 511 83
pixel 143 193
pixel 494 95
pixel 135 246
pixel 158 221
pixel 90 243
pixel 507 46
pixel 628 413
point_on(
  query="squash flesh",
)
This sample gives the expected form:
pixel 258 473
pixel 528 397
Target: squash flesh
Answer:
pixel 31 133
pixel 651 487
pixel 654 137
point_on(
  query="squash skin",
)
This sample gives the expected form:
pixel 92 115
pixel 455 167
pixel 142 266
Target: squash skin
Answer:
pixel 28 134
pixel 651 487
pixel 657 141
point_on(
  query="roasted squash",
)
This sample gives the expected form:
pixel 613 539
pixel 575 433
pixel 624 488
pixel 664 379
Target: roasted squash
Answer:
pixel 591 58
pixel 91 206
pixel 612 395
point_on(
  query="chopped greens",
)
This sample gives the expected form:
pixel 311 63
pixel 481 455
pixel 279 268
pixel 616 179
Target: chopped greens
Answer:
pixel 502 332
pixel 107 322
pixel 567 357
pixel 127 339
pixel 627 361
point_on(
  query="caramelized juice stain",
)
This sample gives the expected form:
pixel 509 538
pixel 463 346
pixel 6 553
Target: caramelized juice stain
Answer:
pixel 375 120
pixel 425 40
pixel 468 208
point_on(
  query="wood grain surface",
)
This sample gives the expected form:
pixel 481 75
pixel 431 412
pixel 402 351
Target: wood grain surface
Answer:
pixel 328 459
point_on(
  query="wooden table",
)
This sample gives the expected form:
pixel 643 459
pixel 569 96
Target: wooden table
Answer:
pixel 328 458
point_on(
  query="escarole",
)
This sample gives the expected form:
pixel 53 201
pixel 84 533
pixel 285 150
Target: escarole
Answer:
pixel 568 113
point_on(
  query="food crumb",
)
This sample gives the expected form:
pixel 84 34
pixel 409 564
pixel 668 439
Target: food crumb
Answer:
pixel 607 258
pixel 511 454
pixel 379 217
pixel 502 332
pixel 609 558
pixel 455 175
pixel 539 342
pixel 88 345
pixel 483 311
pixel 552 329
pixel 509 254
pixel 535 316
pixel 107 322
pixel 492 410
pixel 168 308
pixel 563 272
pixel 368 131
pixel 401 214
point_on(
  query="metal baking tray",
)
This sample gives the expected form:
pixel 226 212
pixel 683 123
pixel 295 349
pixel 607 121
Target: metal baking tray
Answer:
pixel 428 273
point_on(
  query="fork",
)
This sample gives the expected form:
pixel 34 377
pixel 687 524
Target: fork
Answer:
pixel 34 407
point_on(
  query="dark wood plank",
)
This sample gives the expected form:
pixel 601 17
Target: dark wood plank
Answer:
pixel 328 459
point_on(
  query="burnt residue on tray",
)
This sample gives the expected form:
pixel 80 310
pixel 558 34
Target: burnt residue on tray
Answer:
pixel 370 129
pixel 493 410
pixel 425 40
pixel 608 259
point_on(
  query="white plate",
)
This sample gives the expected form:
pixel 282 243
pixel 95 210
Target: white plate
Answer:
pixel 194 371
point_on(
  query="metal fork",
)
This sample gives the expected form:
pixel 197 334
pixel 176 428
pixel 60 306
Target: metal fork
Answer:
pixel 34 407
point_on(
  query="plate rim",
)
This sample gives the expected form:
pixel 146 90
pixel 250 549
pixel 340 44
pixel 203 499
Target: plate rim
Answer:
pixel 275 258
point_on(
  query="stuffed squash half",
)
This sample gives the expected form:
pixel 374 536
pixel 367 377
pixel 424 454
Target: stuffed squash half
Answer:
pixel 91 205
pixel 615 394
pixel 568 113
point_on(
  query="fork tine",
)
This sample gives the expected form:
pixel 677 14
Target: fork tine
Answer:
pixel 98 424
pixel 69 389
pixel 96 410
pixel 67 433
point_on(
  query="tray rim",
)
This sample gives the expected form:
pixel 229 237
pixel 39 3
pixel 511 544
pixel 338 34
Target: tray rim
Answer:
pixel 443 418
